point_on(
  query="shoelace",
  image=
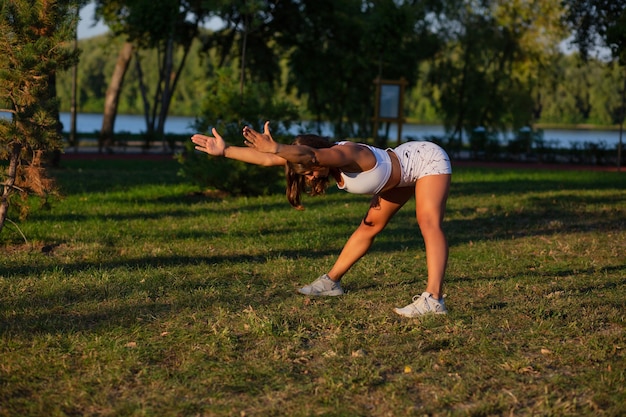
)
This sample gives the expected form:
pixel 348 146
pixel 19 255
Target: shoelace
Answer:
pixel 427 305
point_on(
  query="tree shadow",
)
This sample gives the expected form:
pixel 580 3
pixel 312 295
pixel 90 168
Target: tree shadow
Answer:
pixel 541 216
pixel 121 303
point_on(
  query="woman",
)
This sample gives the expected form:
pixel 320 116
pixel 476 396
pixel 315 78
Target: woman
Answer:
pixel 392 176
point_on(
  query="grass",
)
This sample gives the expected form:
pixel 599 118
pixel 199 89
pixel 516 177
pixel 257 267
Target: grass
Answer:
pixel 138 296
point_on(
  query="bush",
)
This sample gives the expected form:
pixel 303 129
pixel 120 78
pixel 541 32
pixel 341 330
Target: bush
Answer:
pixel 483 144
pixel 233 177
pixel 226 109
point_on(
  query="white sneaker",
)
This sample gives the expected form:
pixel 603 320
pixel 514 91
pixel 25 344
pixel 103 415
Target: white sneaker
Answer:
pixel 323 286
pixel 423 304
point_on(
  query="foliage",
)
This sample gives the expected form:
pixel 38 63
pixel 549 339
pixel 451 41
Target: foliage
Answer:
pixel 486 75
pixel 498 65
pixel 337 49
pixel 169 27
pixel 97 60
pixel 137 293
pixel 247 39
pixel 554 95
pixel 598 23
pixel 603 22
pixel 33 46
pixel 226 109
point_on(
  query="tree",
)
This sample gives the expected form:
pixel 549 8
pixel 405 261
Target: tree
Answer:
pixel 338 48
pixel 486 75
pixel 166 26
pixel 556 91
pixel 112 95
pixel 602 23
pixel 34 47
pixel 597 23
pixel 247 38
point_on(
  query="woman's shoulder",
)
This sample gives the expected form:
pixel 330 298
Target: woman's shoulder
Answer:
pixel 356 156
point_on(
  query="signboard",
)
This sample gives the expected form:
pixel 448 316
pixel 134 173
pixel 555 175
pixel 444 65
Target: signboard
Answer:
pixel 389 101
pixel 389 104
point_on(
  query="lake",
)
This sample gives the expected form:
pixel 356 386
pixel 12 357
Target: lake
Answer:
pixel 88 122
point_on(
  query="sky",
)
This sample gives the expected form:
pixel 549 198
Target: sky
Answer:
pixel 86 27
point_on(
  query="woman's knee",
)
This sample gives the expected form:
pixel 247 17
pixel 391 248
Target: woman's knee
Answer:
pixel 371 225
pixel 430 221
pixel 373 222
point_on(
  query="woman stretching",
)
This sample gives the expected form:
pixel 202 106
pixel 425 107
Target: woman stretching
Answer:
pixel 392 176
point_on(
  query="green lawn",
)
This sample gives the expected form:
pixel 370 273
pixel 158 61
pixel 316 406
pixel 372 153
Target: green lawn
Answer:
pixel 136 295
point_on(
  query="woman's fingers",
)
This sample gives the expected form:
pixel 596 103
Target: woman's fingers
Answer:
pixel 217 135
pixel 207 144
pixel 198 140
pixel 250 135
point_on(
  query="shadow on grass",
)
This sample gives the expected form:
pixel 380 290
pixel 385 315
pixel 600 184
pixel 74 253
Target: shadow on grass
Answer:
pixel 98 176
pixel 63 319
pixel 505 182
pixel 535 216
pixel 543 217
pixel 158 261
pixel 122 301
pixel 538 216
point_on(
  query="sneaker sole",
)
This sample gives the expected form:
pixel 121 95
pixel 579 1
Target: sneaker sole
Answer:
pixel 417 315
pixel 333 293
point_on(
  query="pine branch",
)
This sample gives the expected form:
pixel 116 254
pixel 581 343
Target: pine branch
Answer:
pixel 18 229
pixel 4 184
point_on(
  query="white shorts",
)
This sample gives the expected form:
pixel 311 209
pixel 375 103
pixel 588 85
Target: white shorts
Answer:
pixel 419 159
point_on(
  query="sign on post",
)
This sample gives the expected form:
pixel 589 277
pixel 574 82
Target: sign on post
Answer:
pixel 389 104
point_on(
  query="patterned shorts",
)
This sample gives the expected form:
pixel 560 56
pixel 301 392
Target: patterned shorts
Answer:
pixel 419 159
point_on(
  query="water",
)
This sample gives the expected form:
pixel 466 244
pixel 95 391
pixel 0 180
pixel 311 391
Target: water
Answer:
pixel 87 122
pixel 92 122
pixel 563 138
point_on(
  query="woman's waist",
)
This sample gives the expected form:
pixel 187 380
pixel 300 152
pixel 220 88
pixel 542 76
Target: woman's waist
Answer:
pixel 395 174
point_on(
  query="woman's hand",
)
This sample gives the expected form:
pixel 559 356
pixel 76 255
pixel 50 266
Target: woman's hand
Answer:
pixel 213 145
pixel 262 142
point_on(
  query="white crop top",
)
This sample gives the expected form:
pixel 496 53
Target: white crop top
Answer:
pixel 371 181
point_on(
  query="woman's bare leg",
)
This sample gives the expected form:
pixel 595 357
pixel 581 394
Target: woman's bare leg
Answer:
pixel 382 208
pixel 431 194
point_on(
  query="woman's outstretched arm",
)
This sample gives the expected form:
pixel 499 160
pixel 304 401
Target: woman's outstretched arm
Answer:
pixel 336 156
pixel 215 145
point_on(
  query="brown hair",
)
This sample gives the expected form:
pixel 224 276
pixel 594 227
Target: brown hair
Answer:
pixel 297 183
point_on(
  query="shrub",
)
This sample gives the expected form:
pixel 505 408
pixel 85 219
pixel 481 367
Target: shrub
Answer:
pixel 228 110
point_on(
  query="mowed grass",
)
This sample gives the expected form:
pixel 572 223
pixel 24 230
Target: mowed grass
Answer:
pixel 138 296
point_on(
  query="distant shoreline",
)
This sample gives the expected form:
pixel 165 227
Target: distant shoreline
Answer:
pixel 543 126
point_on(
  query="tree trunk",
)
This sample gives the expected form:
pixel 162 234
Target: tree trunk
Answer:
pixel 112 96
pixel 14 160
pixel 166 94
pixel 166 99
pixel 242 75
pixel 73 140
pixel 146 104
pixel 53 156
pixel 621 127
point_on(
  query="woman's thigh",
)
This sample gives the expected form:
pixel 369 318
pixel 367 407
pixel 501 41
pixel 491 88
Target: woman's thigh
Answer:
pixel 431 195
pixel 385 205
